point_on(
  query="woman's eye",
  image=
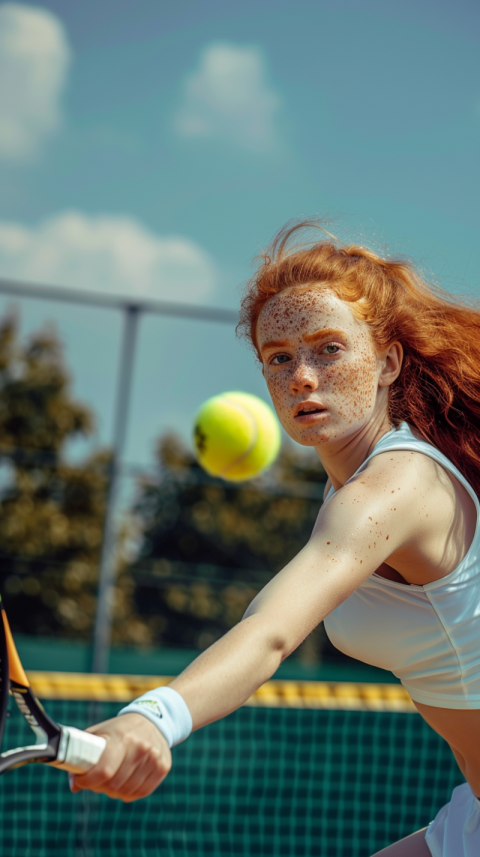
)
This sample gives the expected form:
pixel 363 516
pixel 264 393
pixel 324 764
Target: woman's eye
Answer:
pixel 279 358
pixel 331 349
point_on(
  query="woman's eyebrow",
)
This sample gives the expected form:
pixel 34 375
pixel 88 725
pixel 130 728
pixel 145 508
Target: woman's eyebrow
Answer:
pixel 321 334
pixel 310 337
pixel 275 343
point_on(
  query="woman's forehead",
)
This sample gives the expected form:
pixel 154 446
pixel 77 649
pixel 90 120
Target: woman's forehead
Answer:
pixel 296 311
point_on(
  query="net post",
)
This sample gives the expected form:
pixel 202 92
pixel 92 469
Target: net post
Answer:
pixel 106 581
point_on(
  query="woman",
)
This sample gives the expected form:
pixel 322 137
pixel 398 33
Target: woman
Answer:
pixel 380 374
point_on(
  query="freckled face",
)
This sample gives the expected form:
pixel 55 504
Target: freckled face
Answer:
pixel 320 365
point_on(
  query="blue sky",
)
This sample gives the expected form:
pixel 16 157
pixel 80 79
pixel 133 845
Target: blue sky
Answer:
pixel 153 148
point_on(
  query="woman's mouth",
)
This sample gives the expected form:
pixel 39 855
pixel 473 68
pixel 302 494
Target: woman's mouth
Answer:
pixel 308 413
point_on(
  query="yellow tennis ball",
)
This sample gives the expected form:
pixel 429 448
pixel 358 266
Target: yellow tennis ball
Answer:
pixel 236 436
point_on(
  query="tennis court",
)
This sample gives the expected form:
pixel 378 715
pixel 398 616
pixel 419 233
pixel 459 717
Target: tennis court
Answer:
pixel 307 768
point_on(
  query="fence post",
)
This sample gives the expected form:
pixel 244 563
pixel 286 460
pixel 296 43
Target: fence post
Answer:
pixel 106 581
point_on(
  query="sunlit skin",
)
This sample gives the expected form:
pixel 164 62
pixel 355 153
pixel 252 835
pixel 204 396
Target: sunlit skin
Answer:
pixel 404 517
pixel 316 353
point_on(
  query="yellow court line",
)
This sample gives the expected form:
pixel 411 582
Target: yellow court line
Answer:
pixel 273 694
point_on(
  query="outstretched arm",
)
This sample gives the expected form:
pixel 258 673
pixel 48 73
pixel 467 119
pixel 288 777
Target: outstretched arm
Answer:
pixel 356 531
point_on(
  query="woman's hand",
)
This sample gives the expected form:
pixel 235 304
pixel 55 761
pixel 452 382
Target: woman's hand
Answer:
pixel 134 762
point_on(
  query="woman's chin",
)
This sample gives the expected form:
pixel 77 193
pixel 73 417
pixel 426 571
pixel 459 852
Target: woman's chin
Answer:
pixel 312 435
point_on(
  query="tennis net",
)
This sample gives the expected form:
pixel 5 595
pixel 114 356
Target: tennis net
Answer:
pixel 306 769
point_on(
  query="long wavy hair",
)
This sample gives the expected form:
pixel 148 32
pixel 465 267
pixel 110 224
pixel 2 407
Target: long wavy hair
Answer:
pixel 438 390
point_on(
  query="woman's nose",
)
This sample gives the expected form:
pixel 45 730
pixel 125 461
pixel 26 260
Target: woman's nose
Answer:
pixel 303 378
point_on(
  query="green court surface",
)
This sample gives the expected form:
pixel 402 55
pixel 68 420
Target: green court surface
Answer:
pixel 264 781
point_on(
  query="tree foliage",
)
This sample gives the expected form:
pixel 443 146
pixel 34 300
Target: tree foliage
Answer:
pixel 51 512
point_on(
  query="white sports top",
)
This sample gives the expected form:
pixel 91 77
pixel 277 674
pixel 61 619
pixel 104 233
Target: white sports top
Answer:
pixel 428 636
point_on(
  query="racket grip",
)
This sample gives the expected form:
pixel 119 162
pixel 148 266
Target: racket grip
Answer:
pixel 78 751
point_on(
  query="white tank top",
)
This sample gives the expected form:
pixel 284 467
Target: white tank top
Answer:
pixel 428 636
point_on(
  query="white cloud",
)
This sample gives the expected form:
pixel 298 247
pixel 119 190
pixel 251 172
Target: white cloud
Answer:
pixel 228 97
pixel 106 254
pixel 34 60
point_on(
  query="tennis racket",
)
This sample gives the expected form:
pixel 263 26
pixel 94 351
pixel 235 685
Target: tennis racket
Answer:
pixel 61 746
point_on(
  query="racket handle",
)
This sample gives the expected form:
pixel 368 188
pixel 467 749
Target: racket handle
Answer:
pixel 78 751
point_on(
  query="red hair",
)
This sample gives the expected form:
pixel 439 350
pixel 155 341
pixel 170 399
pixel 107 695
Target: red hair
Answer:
pixel 438 390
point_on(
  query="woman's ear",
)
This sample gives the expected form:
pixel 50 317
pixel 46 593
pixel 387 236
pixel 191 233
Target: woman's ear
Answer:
pixel 392 364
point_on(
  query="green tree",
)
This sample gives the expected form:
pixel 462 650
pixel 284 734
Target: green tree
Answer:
pixel 51 512
pixel 207 547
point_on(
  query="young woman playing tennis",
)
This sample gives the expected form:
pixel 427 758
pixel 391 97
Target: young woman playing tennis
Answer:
pixel 381 375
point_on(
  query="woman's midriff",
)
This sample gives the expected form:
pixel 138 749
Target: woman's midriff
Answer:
pixel 461 730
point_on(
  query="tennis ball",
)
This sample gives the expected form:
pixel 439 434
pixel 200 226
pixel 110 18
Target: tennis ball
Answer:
pixel 236 436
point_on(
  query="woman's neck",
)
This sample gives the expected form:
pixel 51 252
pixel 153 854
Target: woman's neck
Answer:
pixel 342 458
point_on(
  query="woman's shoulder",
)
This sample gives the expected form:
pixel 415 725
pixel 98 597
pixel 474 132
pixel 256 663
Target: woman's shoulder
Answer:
pixel 398 457
pixel 382 504
pixel 404 448
pixel 403 452
pixel 385 469
pixel 411 467
pixel 412 489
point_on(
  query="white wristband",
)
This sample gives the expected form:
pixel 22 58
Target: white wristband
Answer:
pixel 167 709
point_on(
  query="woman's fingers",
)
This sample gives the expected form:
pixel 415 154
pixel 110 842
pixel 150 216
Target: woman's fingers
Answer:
pixel 135 760
pixel 146 788
pixel 144 779
pixel 142 763
pixel 110 761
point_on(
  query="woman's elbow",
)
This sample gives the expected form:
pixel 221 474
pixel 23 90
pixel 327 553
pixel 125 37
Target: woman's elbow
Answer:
pixel 272 637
